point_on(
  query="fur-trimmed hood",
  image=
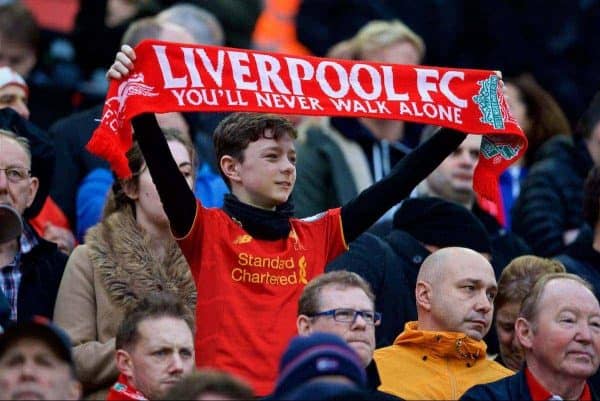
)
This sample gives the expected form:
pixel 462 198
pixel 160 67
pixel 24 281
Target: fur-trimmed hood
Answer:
pixel 129 266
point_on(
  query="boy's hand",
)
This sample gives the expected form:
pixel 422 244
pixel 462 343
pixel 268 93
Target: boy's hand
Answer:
pixel 123 63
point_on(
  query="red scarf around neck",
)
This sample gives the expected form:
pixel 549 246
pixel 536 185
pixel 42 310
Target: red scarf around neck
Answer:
pixel 180 77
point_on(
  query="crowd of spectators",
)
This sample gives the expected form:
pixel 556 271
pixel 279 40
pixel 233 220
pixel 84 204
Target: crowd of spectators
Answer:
pixel 402 282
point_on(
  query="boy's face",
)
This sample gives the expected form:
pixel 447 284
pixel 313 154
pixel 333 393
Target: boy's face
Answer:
pixel 267 175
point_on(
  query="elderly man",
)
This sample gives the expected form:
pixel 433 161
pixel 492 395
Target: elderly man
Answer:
pixel 442 354
pixel 36 363
pixel 559 329
pixel 30 267
pixel 154 349
pixel 49 222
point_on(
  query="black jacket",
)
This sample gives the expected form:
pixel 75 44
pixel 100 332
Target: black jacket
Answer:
pixel 390 266
pixel 551 197
pixel 510 388
pixel 506 245
pixel 582 259
pixel 73 161
pixel 42 270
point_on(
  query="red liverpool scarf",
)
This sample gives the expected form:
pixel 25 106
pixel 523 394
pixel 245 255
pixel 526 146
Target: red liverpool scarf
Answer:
pixel 180 77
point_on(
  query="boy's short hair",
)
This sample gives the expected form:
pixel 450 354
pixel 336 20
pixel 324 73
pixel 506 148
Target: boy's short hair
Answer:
pixel 235 132
pixel 375 35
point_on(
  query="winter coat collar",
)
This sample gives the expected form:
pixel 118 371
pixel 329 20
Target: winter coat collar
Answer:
pixel 445 344
pixel 129 266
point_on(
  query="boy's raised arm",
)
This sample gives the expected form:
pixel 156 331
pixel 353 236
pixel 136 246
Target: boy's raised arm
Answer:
pixel 364 210
pixel 176 196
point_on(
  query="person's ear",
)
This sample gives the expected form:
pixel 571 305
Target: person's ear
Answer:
pixel 423 292
pixel 124 363
pixel 303 325
pixel 230 168
pixel 524 332
pixel 34 184
pixel 130 189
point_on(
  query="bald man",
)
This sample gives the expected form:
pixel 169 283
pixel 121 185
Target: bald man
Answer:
pixel 442 354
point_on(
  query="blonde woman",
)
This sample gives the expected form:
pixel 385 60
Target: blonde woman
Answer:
pixel 339 157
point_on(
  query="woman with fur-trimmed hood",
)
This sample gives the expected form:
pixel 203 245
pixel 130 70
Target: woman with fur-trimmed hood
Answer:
pixel 129 254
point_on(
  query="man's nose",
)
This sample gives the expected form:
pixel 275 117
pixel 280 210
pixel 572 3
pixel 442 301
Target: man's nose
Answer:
pixel 359 322
pixel 28 371
pixel 176 366
pixel 467 159
pixel 484 303
pixel 3 179
pixel 584 333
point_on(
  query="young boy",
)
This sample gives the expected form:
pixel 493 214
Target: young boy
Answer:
pixel 251 259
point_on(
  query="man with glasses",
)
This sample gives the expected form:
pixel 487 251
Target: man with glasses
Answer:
pixel 442 354
pixel 342 303
pixel 30 267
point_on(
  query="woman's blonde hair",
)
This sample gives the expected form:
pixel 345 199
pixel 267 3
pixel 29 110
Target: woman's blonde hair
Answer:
pixel 376 35
pixel 520 275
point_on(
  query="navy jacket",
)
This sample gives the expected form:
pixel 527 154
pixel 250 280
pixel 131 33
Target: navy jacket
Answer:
pixel 582 259
pixel 510 388
pixel 551 199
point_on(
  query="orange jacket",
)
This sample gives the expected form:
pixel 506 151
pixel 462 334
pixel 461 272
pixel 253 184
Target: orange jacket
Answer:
pixel 430 365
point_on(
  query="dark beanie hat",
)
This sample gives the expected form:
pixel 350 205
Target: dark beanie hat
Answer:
pixel 435 221
pixel 43 329
pixel 319 354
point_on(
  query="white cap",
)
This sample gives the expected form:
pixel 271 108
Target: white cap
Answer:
pixel 11 224
pixel 9 77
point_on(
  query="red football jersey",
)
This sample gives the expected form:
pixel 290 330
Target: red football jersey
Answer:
pixel 248 289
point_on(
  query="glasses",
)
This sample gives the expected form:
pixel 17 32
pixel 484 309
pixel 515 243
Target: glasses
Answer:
pixel 345 315
pixel 16 174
